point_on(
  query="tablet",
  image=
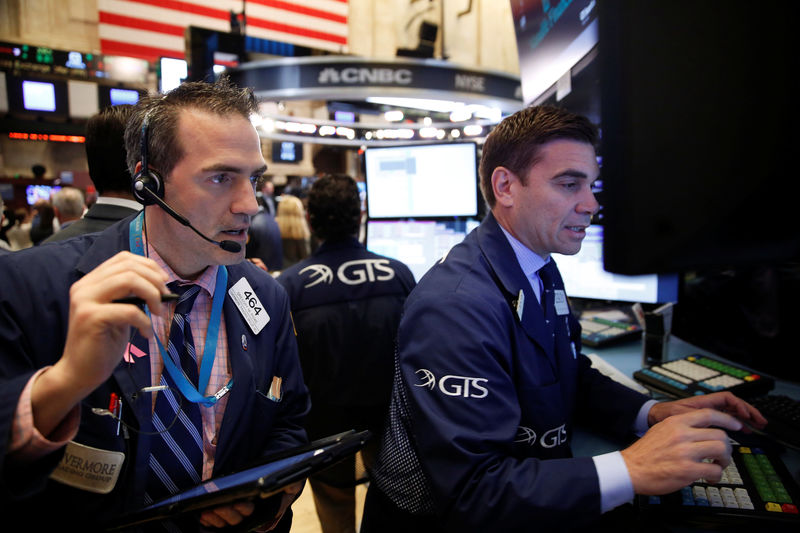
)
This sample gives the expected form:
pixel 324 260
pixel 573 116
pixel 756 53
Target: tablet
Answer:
pixel 261 480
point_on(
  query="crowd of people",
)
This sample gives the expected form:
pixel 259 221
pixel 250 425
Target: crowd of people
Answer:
pixel 471 381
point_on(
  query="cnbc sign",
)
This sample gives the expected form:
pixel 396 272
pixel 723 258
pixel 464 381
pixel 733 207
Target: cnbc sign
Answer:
pixel 330 77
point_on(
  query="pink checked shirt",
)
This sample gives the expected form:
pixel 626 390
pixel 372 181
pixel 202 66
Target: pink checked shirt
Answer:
pixel 27 444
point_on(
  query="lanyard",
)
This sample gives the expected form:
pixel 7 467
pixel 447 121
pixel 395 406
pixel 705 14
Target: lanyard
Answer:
pixel 212 335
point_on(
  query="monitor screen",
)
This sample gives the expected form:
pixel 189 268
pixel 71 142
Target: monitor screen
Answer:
pixel 29 97
pixel 38 96
pixel 171 73
pixel 696 135
pixel 585 277
pixel 287 152
pixel 34 193
pixel 416 243
pixel 426 180
pixel 551 38
pixel 123 96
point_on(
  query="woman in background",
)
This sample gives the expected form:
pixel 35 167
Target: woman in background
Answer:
pixel 295 233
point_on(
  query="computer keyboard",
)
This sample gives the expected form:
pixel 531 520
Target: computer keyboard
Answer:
pixel 699 374
pixel 755 486
pixel 783 415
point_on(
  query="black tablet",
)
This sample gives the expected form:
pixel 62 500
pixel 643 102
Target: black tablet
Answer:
pixel 262 480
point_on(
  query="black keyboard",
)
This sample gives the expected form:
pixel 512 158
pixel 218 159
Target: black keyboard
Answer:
pixel 783 415
pixel 756 486
pixel 699 374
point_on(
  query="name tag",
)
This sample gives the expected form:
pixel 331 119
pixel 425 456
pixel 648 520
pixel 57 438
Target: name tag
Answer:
pixel 560 302
pixel 87 468
pixel 249 305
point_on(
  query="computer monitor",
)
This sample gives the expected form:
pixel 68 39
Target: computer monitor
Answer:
pixel 422 181
pixel 34 97
pixel 417 243
pixel 287 152
pixel 34 193
pixel 585 277
pixel 700 126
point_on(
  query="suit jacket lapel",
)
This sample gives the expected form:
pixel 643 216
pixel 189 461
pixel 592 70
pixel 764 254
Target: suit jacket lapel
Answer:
pixel 241 342
pixel 512 280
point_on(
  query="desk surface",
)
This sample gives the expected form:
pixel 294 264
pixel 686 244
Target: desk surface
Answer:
pixel 627 357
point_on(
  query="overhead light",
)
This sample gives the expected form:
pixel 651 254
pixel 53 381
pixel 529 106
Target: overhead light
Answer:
pixel 460 114
pixel 393 116
pixel 472 130
pixel 456 133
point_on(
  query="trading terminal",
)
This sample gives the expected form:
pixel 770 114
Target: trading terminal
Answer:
pixel 687 282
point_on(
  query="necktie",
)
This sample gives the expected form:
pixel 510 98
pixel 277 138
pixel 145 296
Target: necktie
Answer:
pixel 176 455
pixel 546 276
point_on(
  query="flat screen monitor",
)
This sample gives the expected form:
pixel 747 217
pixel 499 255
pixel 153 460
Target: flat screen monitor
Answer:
pixel 422 181
pixel 123 96
pixel 171 73
pixel 585 277
pixel 287 152
pixel 30 97
pixel 34 193
pixel 551 38
pixel 108 96
pixel 699 118
pixel 38 95
pixel 419 244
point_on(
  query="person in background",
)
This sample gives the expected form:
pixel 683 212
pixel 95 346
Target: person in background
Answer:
pixel 264 239
pixel 44 221
pixel 295 233
pixel 108 170
pixel 490 380
pixel 68 205
pixel 5 246
pixel 78 366
pixel 19 235
pixel 346 305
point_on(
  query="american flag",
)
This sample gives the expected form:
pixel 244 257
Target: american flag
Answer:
pixel 150 29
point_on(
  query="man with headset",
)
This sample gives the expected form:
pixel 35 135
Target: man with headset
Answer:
pixel 72 354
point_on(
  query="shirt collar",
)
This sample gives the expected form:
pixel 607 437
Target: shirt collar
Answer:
pixel 122 202
pixel 529 261
pixel 207 280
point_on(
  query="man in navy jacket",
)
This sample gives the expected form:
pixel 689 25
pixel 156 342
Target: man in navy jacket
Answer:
pixel 490 380
pixel 69 351
pixel 346 304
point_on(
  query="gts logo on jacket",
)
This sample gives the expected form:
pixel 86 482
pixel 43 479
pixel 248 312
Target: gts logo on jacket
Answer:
pixel 353 272
pixel 451 385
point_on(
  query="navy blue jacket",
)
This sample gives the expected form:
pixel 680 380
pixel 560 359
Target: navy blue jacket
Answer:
pixel 346 304
pixel 34 302
pixel 486 401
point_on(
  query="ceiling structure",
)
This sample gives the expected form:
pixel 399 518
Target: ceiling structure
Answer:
pixel 352 101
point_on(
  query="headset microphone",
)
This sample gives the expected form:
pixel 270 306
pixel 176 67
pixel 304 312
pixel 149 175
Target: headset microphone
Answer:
pixel 228 246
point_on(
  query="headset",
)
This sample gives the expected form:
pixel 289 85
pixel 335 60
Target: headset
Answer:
pixel 148 188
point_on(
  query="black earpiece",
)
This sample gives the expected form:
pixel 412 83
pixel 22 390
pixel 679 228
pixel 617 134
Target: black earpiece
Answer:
pixel 146 178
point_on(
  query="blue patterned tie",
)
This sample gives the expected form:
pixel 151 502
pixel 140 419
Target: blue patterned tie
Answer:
pixel 176 454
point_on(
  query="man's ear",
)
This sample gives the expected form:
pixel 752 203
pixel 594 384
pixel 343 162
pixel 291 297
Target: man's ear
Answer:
pixel 502 181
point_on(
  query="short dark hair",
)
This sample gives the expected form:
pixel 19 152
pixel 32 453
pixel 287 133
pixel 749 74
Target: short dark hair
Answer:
pixel 105 149
pixel 334 207
pixel 515 142
pixel 164 149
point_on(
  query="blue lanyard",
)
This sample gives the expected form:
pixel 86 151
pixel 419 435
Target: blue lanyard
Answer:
pixel 212 335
